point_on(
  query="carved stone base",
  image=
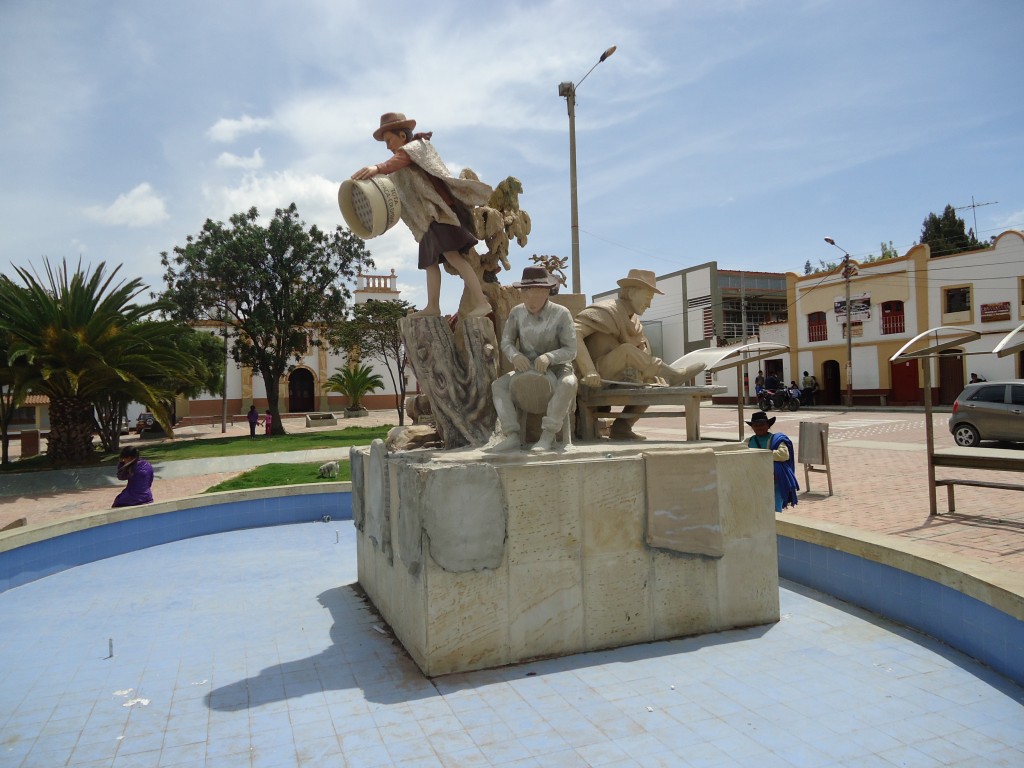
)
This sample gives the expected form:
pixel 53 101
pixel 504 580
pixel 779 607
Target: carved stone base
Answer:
pixel 479 560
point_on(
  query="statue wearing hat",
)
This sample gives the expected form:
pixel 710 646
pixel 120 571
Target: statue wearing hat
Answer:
pixel 613 347
pixel 539 340
pixel 436 207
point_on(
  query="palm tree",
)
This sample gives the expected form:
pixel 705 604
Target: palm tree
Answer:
pixel 79 334
pixel 354 382
pixel 161 359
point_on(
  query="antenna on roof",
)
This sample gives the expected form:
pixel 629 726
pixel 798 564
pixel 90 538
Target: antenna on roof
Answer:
pixel 974 210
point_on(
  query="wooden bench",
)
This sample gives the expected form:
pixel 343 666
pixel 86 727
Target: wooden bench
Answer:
pixel 590 401
pixel 991 459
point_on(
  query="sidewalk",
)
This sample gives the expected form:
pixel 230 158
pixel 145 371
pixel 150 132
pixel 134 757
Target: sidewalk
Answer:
pixel 48 497
pixel 878 470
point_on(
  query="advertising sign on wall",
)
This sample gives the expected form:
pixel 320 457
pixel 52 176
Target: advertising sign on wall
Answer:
pixel 860 307
pixel 991 313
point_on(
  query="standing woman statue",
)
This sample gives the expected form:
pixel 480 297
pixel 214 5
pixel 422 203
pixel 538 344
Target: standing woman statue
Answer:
pixel 435 205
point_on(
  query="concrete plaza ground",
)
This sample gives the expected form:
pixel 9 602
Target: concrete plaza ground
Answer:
pixel 878 470
pixel 254 648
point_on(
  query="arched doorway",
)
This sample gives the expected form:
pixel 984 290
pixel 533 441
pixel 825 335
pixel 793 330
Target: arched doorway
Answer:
pixel 831 387
pixel 300 391
pixel 951 375
pixel 906 386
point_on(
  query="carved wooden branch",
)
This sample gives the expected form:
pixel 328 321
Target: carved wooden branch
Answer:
pixel 455 374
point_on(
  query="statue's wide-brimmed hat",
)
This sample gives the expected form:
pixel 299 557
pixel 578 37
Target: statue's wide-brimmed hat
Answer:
pixel 640 278
pixel 536 277
pixel 760 417
pixel 392 121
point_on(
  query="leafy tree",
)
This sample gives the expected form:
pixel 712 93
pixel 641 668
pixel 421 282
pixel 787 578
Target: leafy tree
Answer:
pixel 372 332
pixel 888 252
pixel 808 269
pixel 78 334
pixel 13 388
pixel 354 382
pixel 946 234
pixel 173 359
pixel 273 285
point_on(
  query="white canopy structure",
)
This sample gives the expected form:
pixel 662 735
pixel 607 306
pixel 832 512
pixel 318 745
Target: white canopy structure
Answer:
pixel 722 358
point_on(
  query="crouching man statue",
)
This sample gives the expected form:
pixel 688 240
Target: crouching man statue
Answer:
pixel 539 340
pixel 613 348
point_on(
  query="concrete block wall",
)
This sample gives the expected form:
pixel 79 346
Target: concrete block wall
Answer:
pixel 576 572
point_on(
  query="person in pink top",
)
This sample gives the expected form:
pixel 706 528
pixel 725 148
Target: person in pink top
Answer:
pixel 435 206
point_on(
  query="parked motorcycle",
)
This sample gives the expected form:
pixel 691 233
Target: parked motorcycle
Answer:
pixel 780 399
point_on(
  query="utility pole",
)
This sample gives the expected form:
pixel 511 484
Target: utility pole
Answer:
pixel 568 91
pixel 743 321
pixel 849 334
pixel 847 272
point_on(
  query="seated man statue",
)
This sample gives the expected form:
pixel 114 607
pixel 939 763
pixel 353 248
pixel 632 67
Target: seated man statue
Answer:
pixel 613 348
pixel 538 340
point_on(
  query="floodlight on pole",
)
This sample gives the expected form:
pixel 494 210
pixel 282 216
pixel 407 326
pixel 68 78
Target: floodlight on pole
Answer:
pixel 568 90
pixel 847 271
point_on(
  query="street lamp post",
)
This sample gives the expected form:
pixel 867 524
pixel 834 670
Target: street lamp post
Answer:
pixel 568 90
pixel 849 323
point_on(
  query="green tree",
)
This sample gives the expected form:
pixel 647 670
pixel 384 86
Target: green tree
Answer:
pixel 78 334
pixel 170 359
pixel 276 287
pixel 372 332
pixel 14 380
pixel 808 269
pixel 888 252
pixel 947 234
pixel 354 382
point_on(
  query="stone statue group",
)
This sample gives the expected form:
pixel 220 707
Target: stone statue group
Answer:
pixel 550 352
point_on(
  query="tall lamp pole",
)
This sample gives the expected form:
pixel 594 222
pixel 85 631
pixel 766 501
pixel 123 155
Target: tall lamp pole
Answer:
pixel 849 324
pixel 568 90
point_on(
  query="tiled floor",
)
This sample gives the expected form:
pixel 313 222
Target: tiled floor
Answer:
pixel 253 648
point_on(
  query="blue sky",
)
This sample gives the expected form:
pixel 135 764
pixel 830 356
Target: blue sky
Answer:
pixel 739 131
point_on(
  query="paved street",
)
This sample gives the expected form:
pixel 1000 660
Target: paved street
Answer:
pixel 878 473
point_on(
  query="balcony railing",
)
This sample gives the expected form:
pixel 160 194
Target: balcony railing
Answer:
pixel 893 324
pixel 817 332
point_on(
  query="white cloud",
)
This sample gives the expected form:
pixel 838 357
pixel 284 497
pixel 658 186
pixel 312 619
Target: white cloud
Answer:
pixel 229 160
pixel 315 196
pixel 141 207
pixel 227 129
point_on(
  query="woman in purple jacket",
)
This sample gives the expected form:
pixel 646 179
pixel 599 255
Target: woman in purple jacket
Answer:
pixel 139 474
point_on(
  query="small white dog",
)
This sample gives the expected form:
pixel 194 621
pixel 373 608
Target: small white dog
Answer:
pixel 330 469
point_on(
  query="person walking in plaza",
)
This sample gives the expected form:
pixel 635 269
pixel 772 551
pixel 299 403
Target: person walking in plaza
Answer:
pixel 268 423
pixel 253 417
pixel 783 458
pixel 139 474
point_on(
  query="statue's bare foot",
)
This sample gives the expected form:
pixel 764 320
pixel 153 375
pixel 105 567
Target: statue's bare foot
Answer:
pixel 510 443
pixel 425 312
pixel 483 310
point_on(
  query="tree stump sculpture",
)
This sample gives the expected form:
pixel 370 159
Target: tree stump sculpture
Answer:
pixel 455 371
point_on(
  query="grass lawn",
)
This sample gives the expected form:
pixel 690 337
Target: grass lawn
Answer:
pixel 280 474
pixel 229 446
